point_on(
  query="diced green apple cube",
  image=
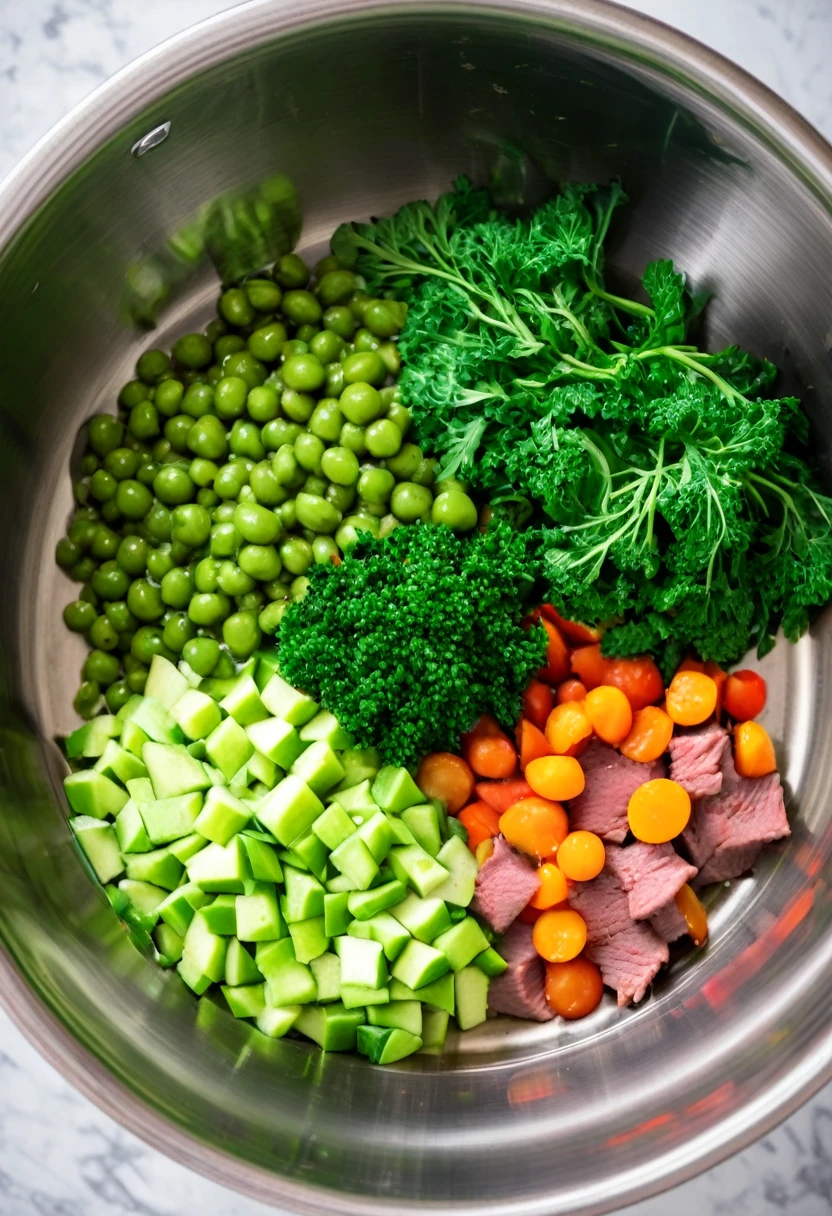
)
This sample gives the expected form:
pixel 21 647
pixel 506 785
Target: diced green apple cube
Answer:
pixel 152 717
pixel 178 908
pixel 277 740
pixel 193 977
pixel 304 895
pixel 185 848
pixel 424 919
pixel 434 1031
pixel 258 916
pixel 332 1027
pixel 362 962
pixel 326 969
pixel 337 916
pixel 366 904
pixel 471 997
pixel 459 861
pixel 286 702
pixel 383 929
pixel 220 868
pixel 324 728
pixel 246 1001
pixel 262 859
pixel 419 964
pixel 264 770
pixel 360 764
pixel 173 770
pixel 90 740
pixel 423 822
pixel 93 795
pixel 404 1015
pixel 130 830
pixel 222 816
pixel 240 967
pixel 288 981
pixel 394 790
pixel 356 996
pixel 461 943
pixel 413 866
pixel 309 850
pixel 228 747
pixel 205 949
pixel 118 764
pixel 221 915
pixel 243 703
pixel 356 799
pixel 377 834
pixel 319 767
pixel 309 938
pixel 385 1045
pixel 196 713
pixel 159 866
pixel 170 819
pixel 275 1022
pixel 169 945
pixel 491 962
pixel 354 860
pixel 100 845
pixel 165 682
pixel 144 896
pixel 334 826
pixel 289 809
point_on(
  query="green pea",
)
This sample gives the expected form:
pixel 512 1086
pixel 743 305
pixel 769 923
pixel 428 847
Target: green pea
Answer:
pixel 257 525
pixel 299 587
pixel 315 513
pixel 209 608
pixel 131 555
pixel 190 524
pixel 384 318
pixel 297 406
pixel 87 698
pixel 336 287
pixel 354 438
pixel 365 341
pixel 341 497
pixel 104 433
pixel 151 365
pixel 376 485
pixel 81 533
pixel 110 512
pixel 304 373
pixel 100 667
pixel 161 450
pixel 121 463
pixel 406 461
pixel 132 393
pixel 326 346
pixel 301 307
pixel 376 509
pixel 388 524
pixel 147 641
pixel 425 475
pixel 275 434
pixel 206 575
pixel 120 617
pixel 267 489
pixel 201 655
pixel 290 271
pixel 157 522
pixel 315 485
pixel 360 403
pixel 138 677
pixel 245 365
pixel 364 367
pixel 308 452
pixel 67 553
pixel 326 420
pixel 172 486
pixel 178 630
pixel 79 616
pixel 89 464
pixel 352 528
pixel 241 634
pixel 390 356
pixel 225 540
pixel 263 404
pixel 236 307
pixel 159 561
pixel 104 637
pixel 228 344
pixel 232 580
pixel 324 549
pixel 400 415
pixel 410 502
pixel 262 562
pixel 383 438
pixel 296 555
pixel 81 492
pixel 198 401
pixel 105 543
pixel 267 342
pixel 103 485
pixel 271 616
pixel 168 399
pixel 109 582
pixel 177 431
pixel 340 465
pixel 145 601
pixel 327 263
pixel 208 438
pixel 192 351
pixel 202 472
pixel 454 509
pixel 133 499
pixel 244 440
pixel 263 294
pixel 230 397
pixel 288 514
pixel 334 379
pixel 117 695
pixel 339 320
pixel 230 480
pixel 143 422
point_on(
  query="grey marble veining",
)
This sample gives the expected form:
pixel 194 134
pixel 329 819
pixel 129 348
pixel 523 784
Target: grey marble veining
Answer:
pixel 59 1155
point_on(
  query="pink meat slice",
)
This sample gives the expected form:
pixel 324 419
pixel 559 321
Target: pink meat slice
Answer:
pixel 700 758
pixel 505 884
pixel 611 780
pixel 669 923
pixel 726 833
pixel 651 874
pixel 628 952
pixel 520 991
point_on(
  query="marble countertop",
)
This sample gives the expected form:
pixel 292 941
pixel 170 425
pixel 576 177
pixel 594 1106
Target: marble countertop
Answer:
pixel 59 1155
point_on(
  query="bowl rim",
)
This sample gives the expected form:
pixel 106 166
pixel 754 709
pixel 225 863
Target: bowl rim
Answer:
pixel 70 142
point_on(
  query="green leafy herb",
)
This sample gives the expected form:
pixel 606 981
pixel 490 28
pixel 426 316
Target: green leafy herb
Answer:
pixel 677 504
pixel 413 637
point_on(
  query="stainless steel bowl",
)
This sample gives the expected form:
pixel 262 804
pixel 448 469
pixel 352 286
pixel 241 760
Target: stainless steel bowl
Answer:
pixel 366 105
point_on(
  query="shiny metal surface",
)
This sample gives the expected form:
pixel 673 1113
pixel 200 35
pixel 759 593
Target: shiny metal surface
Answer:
pixel 366 105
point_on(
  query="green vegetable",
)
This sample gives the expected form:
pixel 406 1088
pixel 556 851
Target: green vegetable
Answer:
pixel 413 637
pixel 676 496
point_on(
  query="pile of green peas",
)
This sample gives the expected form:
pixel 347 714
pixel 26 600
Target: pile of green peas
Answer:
pixel 265 444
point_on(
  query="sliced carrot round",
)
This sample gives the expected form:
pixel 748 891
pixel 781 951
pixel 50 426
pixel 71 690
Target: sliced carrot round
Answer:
pixel 567 727
pixel 552 890
pixel 481 823
pixel 581 856
pixel 535 826
pixel 696 918
pixel 575 988
pixel 658 811
pixel 589 665
pixel 491 755
pixel 538 701
pixel 753 751
pixel 570 690
pixel 639 679
pixel 610 713
pixel 447 777
pixel 691 698
pixel 557 655
pixel 556 777
pixel 559 935
pixel 531 742
pixel 649 736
